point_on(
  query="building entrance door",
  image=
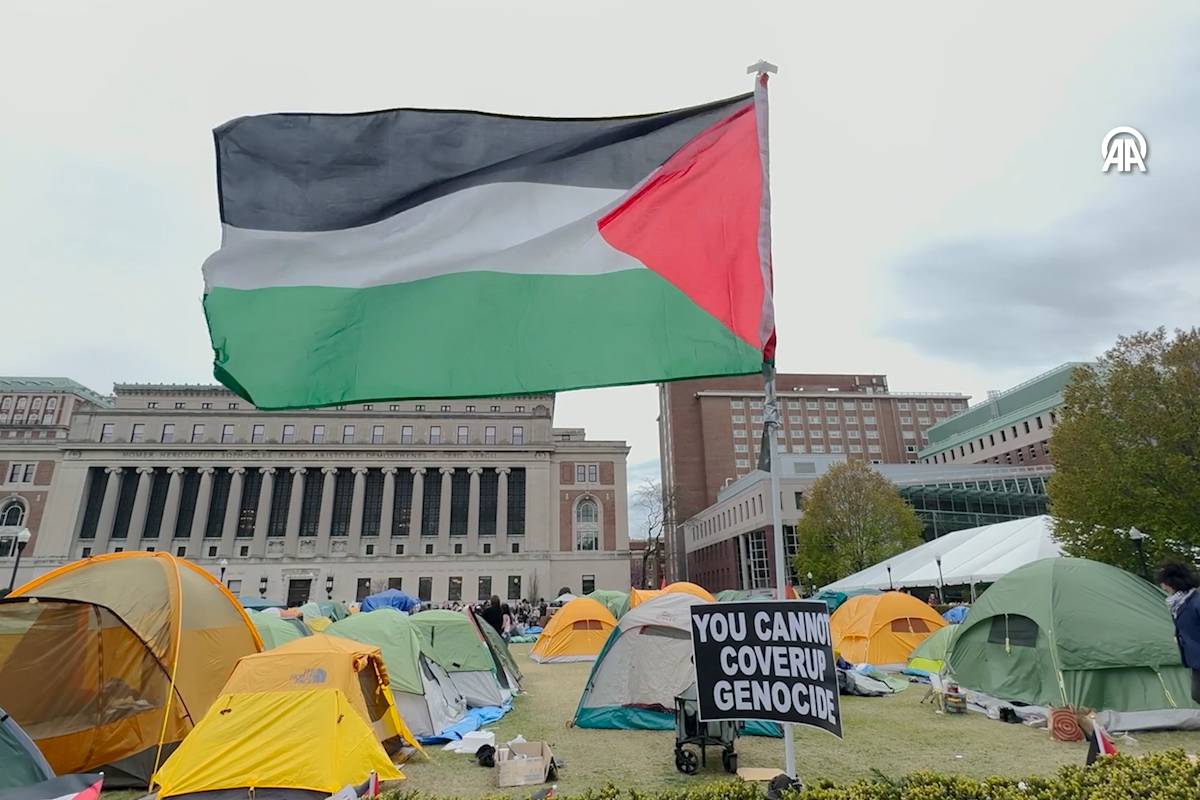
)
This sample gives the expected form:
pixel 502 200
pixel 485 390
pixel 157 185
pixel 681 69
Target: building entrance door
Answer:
pixel 298 591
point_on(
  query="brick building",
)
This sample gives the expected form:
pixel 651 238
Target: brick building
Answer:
pixel 710 432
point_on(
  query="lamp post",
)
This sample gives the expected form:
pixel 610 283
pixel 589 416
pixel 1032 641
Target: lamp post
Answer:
pixel 262 587
pixel 941 581
pixel 891 586
pixel 812 585
pixel 328 587
pixel 23 537
pixel 224 562
pixel 1138 537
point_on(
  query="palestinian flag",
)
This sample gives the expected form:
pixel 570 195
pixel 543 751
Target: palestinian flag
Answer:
pixel 63 787
pixel 1099 744
pixel 415 253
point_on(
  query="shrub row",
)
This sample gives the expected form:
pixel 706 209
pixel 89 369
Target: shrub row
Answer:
pixel 1160 776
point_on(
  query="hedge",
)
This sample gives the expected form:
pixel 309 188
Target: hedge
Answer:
pixel 1168 775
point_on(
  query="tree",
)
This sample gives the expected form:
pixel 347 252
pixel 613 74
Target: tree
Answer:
pixel 655 506
pixel 1127 453
pixel 853 518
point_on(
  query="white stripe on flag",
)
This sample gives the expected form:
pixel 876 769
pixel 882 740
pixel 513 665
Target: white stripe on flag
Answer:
pixel 522 228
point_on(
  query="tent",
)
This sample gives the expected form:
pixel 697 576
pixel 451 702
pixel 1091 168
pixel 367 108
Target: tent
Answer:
pixel 741 595
pixel 130 639
pixel 646 662
pixel 882 629
pixel 452 640
pixel 312 716
pixel 576 633
pixel 331 610
pixel 955 614
pixel 930 655
pixel 639 596
pixel 973 555
pixel 274 630
pixel 423 692
pixel 616 602
pixel 1074 632
pixel 507 671
pixel 562 599
pixel 390 598
pixel 692 589
pixel 260 603
pixel 21 763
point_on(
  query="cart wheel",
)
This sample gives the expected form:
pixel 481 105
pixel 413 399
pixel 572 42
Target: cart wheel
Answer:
pixel 729 761
pixel 686 761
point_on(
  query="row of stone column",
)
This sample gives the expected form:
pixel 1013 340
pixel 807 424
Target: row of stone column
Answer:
pixel 258 544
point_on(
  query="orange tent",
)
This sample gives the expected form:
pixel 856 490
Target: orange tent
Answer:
pixel 882 628
pixel 576 633
pixel 104 658
pixel 692 589
pixel 639 596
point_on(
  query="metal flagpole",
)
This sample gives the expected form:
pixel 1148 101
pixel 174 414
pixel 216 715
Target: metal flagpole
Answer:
pixel 771 426
pixel 771 418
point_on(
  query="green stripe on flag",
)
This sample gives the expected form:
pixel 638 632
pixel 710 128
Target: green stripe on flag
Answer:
pixel 468 334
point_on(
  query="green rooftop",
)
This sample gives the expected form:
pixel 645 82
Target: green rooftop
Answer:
pixel 1033 396
pixel 19 383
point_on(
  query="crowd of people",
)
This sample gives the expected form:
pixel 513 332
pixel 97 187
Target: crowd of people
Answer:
pixel 512 620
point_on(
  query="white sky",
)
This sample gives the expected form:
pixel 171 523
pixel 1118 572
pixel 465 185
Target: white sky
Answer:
pixel 939 212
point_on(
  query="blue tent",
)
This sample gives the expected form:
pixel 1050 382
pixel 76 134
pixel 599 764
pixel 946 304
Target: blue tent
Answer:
pixel 390 598
pixel 955 615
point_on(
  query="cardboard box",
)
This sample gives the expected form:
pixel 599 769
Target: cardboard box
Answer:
pixel 524 764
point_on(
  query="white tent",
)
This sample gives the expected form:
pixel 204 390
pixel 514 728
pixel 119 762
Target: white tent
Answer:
pixel 974 555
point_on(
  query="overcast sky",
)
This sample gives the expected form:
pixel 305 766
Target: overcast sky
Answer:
pixel 939 211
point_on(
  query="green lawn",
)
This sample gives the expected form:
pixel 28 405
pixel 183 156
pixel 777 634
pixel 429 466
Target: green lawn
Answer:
pixel 894 735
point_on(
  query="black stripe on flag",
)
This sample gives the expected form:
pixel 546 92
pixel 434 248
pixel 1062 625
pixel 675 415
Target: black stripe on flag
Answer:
pixel 320 172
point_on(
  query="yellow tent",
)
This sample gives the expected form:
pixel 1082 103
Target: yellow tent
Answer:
pixel 312 715
pixel 89 653
pixel 577 632
pixel 882 628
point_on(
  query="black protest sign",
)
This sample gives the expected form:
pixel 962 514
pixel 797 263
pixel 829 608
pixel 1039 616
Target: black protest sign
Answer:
pixel 768 661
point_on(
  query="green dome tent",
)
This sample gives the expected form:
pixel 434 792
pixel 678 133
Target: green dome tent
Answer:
pixel 616 602
pixel 930 655
pixel 451 639
pixel 276 631
pixel 1074 632
pixel 424 693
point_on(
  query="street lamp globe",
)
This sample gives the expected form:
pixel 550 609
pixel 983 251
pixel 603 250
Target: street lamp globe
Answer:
pixel 23 537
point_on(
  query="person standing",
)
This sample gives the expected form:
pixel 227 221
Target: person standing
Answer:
pixel 494 615
pixel 1179 582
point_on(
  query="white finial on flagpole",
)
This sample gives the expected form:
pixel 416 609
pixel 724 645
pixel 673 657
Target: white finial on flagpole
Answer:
pixel 762 67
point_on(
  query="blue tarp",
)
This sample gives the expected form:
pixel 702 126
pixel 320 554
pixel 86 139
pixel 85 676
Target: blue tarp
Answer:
pixel 474 719
pixel 391 598
pixel 955 615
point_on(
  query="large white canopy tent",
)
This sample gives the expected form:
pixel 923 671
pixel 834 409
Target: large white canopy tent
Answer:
pixel 974 555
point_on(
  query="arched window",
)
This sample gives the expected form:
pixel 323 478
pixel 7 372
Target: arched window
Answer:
pixel 12 514
pixel 587 525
